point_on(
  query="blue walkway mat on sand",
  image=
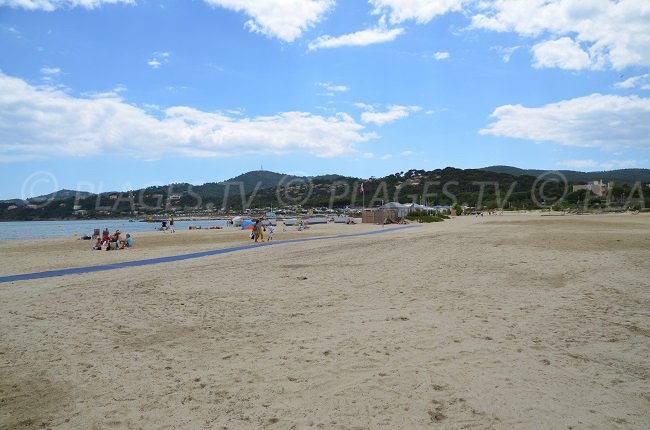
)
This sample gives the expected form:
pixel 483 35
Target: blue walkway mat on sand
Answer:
pixel 89 269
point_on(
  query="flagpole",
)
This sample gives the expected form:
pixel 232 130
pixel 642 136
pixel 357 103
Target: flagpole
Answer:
pixel 363 196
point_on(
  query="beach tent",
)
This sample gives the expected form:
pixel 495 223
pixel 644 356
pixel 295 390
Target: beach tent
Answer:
pixel 247 224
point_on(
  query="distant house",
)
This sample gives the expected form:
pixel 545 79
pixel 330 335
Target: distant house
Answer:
pixel 174 197
pixel 596 187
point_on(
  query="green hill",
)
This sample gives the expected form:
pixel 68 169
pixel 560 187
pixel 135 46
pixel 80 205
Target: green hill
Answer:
pixel 491 187
pixel 55 197
pixel 620 176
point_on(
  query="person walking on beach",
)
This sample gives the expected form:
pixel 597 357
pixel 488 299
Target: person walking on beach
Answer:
pixel 256 230
pixel 171 225
pixel 269 233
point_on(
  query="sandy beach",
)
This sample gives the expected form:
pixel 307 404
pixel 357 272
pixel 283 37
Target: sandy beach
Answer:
pixel 513 321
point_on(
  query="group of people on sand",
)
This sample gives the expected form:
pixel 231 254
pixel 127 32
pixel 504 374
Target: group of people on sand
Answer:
pixel 168 225
pixel 108 241
pixel 258 231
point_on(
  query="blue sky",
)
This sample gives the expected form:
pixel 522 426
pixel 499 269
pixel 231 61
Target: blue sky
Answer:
pixel 105 95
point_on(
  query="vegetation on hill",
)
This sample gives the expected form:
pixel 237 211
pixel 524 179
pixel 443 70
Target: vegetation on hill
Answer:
pixel 263 190
pixel 620 176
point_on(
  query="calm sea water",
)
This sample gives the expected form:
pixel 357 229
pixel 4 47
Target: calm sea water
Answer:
pixel 12 230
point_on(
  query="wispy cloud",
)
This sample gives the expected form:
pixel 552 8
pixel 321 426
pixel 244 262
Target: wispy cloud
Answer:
pixel 10 30
pixel 603 121
pixel 506 53
pixel 331 88
pixel 641 81
pixel 114 93
pixel 158 59
pixel 52 5
pixel 420 11
pixel 435 111
pixel 41 121
pixel 50 71
pixel 360 38
pixel 441 55
pixel 393 113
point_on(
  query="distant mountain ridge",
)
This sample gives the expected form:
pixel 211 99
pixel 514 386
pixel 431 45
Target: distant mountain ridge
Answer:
pixel 620 176
pixel 247 182
pixel 257 180
pixel 62 194
pixel 261 190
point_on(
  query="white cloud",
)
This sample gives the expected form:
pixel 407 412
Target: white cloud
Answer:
pixel 158 59
pixel 604 121
pixel 359 38
pixel 641 81
pixel 50 71
pixel 591 164
pixel 283 19
pixel 563 53
pixel 614 33
pixel 51 5
pixel 406 153
pixel 441 55
pixel 393 113
pixel 387 157
pixel 421 11
pixel 331 88
pixel 368 155
pixel 114 93
pixel 36 121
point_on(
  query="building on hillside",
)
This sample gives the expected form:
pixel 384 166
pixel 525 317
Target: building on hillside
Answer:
pixel 596 187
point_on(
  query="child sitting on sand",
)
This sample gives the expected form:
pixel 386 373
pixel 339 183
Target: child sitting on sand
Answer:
pixel 98 245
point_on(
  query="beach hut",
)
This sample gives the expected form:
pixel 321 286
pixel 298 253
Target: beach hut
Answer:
pixel 400 210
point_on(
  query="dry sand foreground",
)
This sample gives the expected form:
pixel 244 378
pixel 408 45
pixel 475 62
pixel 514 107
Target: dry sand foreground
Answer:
pixel 514 321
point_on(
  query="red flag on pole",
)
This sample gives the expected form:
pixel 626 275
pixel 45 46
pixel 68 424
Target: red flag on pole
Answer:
pixel 361 189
